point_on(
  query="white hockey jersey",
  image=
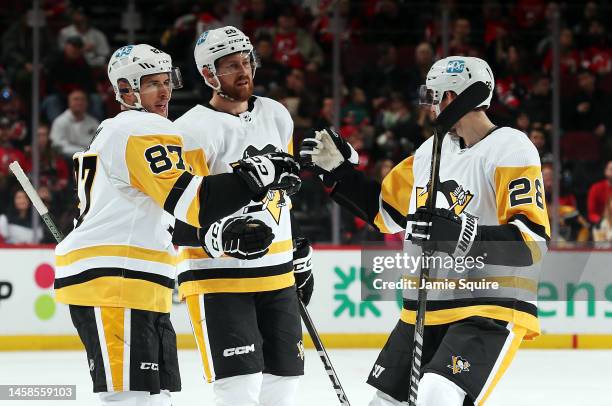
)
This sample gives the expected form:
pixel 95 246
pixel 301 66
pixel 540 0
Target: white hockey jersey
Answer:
pixel 499 181
pixel 222 139
pixel 120 253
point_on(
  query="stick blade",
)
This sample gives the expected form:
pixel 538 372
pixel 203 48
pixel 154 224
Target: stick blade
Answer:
pixel 467 101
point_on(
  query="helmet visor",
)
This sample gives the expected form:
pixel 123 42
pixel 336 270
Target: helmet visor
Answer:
pixel 155 83
pixel 427 96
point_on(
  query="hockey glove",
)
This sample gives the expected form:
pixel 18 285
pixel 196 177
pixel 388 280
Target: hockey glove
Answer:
pixel 442 230
pixel 276 170
pixel 328 155
pixel 302 269
pixel 238 237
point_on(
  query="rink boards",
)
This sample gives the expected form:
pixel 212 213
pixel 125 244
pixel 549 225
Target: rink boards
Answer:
pixel 575 302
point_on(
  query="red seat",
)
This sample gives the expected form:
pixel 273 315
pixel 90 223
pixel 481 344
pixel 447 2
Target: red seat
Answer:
pixel 580 146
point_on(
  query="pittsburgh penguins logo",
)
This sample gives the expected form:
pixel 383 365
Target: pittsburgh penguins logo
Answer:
pixel 456 196
pixel 274 200
pixel 459 364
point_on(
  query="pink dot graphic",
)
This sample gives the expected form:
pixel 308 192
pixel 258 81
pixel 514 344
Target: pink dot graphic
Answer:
pixel 44 276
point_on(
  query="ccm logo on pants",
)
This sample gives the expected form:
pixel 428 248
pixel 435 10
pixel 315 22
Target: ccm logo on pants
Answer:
pixel 149 365
pixel 228 352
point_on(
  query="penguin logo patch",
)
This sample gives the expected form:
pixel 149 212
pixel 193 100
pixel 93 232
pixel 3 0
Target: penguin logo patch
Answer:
pixel 300 347
pixel 458 365
pixel 456 195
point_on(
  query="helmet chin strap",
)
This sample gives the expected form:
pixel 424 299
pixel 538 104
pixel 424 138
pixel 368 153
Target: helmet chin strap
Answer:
pixel 137 105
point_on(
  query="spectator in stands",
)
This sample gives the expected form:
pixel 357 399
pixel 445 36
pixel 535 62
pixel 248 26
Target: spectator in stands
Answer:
pixel 538 137
pixel 461 40
pixel 66 72
pixel 95 45
pixel 599 193
pixel 294 47
pixel 11 107
pixel 53 170
pixel 572 226
pixel 387 24
pixel 17 51
pixel 326 114
pixel 16 223
pixel 74 129
pixel 603 232
pixel 356 109
pixel 522 122
pixel 590 13
pixel 570 57
pixel 596 53
pixel 8 152
pixel 258 17
pixel 538 101
pixel 423 59
pixel 298 99
pixel 380 78
pixel 270 73
pixel 513 78
pixel 587 110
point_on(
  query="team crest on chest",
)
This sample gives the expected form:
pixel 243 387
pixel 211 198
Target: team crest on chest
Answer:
pixel 456 195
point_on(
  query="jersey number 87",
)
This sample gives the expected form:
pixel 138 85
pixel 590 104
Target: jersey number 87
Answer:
pixel 158 157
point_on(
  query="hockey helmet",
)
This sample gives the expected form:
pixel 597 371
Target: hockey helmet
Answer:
pixel 215 44
pixel 132 62
pixel 455 73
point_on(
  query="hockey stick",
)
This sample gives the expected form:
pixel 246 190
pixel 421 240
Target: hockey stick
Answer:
pixel 36 201
pixel 463 104
pixel 331 372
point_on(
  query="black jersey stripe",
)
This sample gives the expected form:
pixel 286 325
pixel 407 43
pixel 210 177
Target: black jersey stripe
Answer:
pixel 95 273
pixel 433 305
pixel 177 191
pixel 234 273
pixel 395 215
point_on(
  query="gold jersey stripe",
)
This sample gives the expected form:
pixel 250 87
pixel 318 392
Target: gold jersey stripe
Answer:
pixel 197 323
pixel 115 291
pixel 446 316
pixel 519 333
pixel 506 174
pixel 196 162
pixel 380 222
pixel 396 189
pixel 277 247
pixel 113 325
pixel 127 251
pixel 290 146
pixel 244 285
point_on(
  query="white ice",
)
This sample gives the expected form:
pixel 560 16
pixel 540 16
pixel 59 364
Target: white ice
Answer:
pixel 536 377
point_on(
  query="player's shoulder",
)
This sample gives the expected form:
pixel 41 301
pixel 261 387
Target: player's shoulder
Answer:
pixel 507 146
pixel 195 114
pixel 139 123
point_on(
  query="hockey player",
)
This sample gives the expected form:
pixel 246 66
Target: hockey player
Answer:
pixel 116 269
pixel 244 311
pixel 491 205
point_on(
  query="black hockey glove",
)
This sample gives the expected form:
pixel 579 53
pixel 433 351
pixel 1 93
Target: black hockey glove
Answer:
pixel 238 237
pixel 442 230
pixel 276 170
pixel 328 155
pixel 302 269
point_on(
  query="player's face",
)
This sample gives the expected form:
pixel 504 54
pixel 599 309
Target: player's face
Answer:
pixel 155 93
pixel 235 73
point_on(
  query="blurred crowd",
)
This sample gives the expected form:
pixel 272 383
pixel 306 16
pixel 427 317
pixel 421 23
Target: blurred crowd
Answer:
pixel 387 47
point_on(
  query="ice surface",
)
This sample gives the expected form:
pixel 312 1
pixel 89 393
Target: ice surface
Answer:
pixel 537 377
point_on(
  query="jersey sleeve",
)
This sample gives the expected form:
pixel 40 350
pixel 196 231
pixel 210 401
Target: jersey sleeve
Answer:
pixel 395 195
pixel 520 199
pixel 157 166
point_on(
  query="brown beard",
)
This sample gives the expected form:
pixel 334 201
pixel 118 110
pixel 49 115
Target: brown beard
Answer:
pixel 240 94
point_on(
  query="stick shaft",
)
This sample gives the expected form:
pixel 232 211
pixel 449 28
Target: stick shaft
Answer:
pixel 25 183
pixel 329 368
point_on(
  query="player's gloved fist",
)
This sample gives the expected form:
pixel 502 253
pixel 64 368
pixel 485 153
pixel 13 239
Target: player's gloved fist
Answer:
pixel 302 269
pixel 328 155
pixel 442 230
pixel 238 237
pixel 276 170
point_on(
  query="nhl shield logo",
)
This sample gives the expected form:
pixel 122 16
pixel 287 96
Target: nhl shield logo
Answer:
pixel 458 365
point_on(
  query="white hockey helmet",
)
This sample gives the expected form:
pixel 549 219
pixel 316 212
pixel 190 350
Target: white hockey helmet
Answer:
pixel 132 62
pixel 455 73
pixel 217 43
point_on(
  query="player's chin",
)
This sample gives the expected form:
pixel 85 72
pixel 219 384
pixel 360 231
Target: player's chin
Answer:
pixel 242 92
